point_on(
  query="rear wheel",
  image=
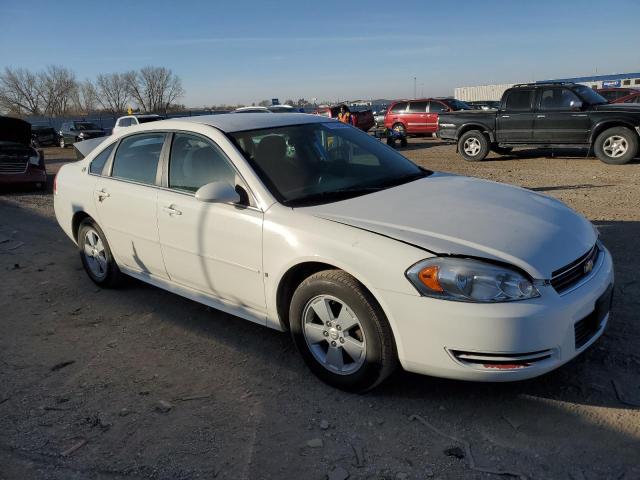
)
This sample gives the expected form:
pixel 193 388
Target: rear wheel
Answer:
pixel 96 256
pixel 341 331
pixel 473 146
pixel 616 146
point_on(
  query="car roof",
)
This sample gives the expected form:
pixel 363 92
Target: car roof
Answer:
pixel 230 123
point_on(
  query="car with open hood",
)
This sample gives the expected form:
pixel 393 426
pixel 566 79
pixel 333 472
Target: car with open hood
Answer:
pixel 20 163
pixel 302 223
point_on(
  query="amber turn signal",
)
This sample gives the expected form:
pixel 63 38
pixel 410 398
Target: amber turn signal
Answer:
pixel 429 277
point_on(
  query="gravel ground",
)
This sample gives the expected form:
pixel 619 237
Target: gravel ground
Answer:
pixel 141 383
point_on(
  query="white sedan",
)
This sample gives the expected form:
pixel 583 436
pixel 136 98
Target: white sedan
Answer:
pixel 302 223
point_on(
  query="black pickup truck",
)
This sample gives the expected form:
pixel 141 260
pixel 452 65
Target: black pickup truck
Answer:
pixel 545 115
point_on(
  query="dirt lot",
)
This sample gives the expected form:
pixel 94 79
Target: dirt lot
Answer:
pixel 85 373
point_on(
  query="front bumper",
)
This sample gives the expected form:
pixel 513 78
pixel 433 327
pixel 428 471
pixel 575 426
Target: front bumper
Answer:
pixel 431 333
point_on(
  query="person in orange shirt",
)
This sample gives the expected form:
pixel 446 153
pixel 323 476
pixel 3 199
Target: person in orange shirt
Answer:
pixel 345 115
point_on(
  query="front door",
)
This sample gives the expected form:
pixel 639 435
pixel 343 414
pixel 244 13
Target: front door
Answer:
pixel 435 108
pixel 515 119
pixel 558 119
pixel 214 248
pixel 126 203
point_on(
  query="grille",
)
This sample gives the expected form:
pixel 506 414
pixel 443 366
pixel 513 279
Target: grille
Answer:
pixel 13 167
pixel 503 361
pixel 586 328
pixel 569 275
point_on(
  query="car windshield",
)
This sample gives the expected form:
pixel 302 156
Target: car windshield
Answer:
pixel 590 96
pixel 457 104
pixel 323 162
pixel 86 126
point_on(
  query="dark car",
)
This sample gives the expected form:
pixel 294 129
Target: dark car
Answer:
pixel 613 94
pixel 43 136
pixel 420 117
pixel 554 114
pixel 20 163
pixel 72 132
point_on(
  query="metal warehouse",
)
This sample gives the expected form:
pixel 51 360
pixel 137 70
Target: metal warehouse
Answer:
pixel 494 92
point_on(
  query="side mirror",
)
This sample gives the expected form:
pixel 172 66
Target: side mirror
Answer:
pixel 575 104
pixel 217 192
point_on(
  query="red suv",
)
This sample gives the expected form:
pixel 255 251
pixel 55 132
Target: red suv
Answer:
pixel 613 94
pixel 420 117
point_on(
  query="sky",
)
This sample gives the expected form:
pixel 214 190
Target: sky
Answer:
pixel 238 52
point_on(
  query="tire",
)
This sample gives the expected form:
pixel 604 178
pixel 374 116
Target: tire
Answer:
pixel 400 128
pixel 363 354
pixel 616 146
pixel 473 146
pixel 62 143
pixel 403 142
pixel 104 273
pixel 391 142
pixel 501 150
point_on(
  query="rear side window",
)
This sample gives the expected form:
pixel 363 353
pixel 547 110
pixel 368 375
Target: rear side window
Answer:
pixel 435 107
pixel 399 107
pixel 137 158
pixel 97 165
pixel 124 122
pixel 417 107
pixel 194 162
pixel 519 100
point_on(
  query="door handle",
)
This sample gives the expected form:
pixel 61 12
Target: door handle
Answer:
pixel 506 116
pixel 541 116
pixel 102 194
pixel 171 211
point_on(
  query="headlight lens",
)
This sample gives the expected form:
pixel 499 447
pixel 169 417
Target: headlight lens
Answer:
pixel 467 280
pixel 81 135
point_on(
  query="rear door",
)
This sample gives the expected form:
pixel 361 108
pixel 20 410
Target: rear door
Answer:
pixel 516 117
pixel 416 117
pixel 396 115
pixel 435 109
pixel 125 200
pixel 558 120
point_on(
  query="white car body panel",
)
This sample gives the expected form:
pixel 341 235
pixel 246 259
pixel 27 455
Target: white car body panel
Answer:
pixel 234 258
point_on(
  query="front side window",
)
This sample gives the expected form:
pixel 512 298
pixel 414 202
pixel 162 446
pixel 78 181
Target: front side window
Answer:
pixel 557 99
pixel 137 158
pixel 519 101
pixel 86 126
pixel 124 122
pixel 97 165
pixel 399 107
pixel 323 162
pixel 417 107
pixel 194 162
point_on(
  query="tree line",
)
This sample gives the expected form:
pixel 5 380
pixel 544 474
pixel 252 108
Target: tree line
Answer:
pixel 56 91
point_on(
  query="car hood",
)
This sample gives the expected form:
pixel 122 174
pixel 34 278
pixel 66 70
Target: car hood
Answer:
pixel 454 215
pixel 15 130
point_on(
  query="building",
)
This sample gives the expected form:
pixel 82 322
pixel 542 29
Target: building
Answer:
pixel 494 92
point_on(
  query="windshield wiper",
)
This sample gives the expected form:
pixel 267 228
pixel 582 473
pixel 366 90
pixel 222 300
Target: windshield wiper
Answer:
pixel 332 195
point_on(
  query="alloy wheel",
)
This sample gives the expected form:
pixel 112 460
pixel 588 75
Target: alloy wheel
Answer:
pixel 615 146
pixel 95 254
pixel 472 146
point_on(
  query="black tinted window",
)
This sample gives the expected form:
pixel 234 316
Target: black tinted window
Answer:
pixel 557 99
pixel 124 122
pixel 435 107
pixel 195 162
pixel 399 107
pixel 417 107
pixel 137 158
pixel 519 100
pixel 98 163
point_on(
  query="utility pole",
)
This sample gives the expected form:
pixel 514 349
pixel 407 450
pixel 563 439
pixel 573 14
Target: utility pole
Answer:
pixel 414 88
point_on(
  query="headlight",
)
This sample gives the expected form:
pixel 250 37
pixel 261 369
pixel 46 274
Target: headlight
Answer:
pixel 81 135
pixel 34 160
pixel 467 280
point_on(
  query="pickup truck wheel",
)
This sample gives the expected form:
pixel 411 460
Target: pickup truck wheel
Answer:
pixel 501 150
pixel 616 146
pixel 341 331
pixel 400 128
pixel 473 146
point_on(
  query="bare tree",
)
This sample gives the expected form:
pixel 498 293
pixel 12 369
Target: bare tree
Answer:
pixel 86 97
pixel 154 89
pixel 113 94
pixel 264 103
pixel 57 86
pixel 20 91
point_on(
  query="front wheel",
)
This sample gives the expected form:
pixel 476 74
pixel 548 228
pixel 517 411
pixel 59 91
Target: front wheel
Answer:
pixel 616 146
pixel 473 146
pixel 400 128
pixel 341 331
pixel 96 256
